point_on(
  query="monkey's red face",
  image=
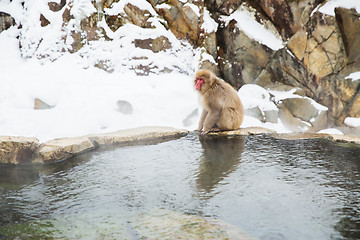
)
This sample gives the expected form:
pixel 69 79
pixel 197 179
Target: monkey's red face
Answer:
pixel 199 82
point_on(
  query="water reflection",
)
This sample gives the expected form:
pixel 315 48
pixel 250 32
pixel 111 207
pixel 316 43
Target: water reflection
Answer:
pixel 221 156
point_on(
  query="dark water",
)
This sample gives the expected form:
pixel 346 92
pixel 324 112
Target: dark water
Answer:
pixel 270 188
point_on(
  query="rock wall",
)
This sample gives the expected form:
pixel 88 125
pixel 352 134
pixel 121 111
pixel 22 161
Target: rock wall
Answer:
pixel 318 51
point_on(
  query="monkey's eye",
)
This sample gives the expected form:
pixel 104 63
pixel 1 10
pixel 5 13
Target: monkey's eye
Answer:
pixel 199 79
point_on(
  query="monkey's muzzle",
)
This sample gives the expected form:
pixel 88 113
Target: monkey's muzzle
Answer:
pixel 199 82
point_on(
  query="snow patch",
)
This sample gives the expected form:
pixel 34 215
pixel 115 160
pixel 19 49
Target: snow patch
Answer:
pixel 80 10
pixel 352 122
pixel 247 23
pixel 331 131
pixel 118 7
pixel 252 95
pixel 194 8
pixel 329 7
pixel 209 24
pixel 354 76
pixel 281 95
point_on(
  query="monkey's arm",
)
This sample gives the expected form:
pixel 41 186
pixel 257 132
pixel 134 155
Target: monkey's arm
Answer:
pixel 202 119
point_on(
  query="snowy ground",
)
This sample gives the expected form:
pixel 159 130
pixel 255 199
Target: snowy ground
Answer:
pixel 85 97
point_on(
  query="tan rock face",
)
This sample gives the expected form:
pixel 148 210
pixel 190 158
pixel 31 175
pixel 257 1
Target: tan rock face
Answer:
pixel 16 150
pixel 182 20
pixel 297 44
pixel 319 46
pixel 348 21
pixel 137 16
pixel 326 57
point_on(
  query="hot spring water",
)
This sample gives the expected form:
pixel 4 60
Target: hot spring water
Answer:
pixel 267 187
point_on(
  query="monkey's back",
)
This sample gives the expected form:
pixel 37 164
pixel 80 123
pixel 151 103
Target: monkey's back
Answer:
pixel 232 113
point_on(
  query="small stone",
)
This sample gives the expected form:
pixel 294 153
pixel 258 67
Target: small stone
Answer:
pixel 124 107
pixel 41 105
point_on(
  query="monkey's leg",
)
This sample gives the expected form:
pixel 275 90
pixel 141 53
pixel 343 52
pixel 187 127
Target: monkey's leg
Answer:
pixel 202 119
pixel 229 119
pixel 210 121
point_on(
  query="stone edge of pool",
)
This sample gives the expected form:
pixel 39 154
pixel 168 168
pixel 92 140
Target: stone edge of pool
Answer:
pixel 28 150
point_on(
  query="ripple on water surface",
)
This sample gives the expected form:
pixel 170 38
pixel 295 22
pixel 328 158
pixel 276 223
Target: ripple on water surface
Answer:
pixel 269 188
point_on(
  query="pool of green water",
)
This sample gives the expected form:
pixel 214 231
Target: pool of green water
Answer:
pixel 266 187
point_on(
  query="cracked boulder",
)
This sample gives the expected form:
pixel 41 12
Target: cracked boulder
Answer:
pixel 302 114
pixel 319 47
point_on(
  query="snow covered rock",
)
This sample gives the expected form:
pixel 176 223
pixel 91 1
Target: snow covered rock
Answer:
pixel 242 56
pixel 257 103
pixel 352 122
pixel 124 107
pixel 306 110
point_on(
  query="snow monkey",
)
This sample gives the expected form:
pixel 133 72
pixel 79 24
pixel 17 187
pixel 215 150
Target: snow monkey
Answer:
pixel 222 108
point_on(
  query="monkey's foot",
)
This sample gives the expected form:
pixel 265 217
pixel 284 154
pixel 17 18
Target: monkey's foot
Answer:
pixel 215 130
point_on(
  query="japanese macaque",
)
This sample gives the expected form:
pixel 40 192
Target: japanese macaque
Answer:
pixel 222 108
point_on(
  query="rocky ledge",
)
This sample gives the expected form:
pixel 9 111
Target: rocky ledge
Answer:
pixel 26 150
pixel 18 150
pixel 355 139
